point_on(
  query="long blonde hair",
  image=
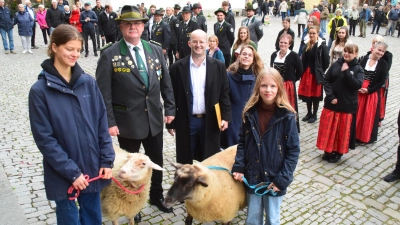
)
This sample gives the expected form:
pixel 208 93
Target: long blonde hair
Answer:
pixel 309 46
pixel 240 42
pixel 281 100
pixel 257 65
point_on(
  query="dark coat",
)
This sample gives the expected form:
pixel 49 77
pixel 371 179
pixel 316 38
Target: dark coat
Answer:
pixel 67 17
pixel 161 34
pixel 25 23
pixel 135 110
pixel 184 36
pixel 107 25
pixel 293 66
pixel 98 11
pixel 230 18
pixel 291 32
pixel 54 17
pixel 321 62
pixel 174 27
pixel 379 78
pixel 201 21
pixel 89 24
pixel 343 86
pixel 241 87
pixel 216 91
pixel 69 126
pixel 226 37
pixel 379 16
pixel 179 16
pixel 146 32
pixel 255 28
pixel 273 156
pixel 6 19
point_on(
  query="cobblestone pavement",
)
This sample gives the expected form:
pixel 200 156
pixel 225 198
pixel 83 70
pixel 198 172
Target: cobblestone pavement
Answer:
pixel 349 192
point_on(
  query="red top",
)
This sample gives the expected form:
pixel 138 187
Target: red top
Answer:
pixel 74 20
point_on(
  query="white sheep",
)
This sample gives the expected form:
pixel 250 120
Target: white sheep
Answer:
pixel 132 170
pixel 209 195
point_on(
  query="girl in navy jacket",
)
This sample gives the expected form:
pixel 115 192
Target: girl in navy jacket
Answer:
pixel 268 147
pixel 69 124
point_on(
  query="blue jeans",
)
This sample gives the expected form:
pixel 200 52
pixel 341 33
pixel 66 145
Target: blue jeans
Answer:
pixel 288 12
pixel 330 43
pixel 283 15
pixel 4 34
pixel 257 205
pixel 323 26
pixel 89 210
pixel 197 132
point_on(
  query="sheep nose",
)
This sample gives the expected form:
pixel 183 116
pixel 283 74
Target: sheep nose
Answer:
pixel 121 172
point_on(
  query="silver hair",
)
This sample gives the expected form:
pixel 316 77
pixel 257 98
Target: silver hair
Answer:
pixel 380 43
pixel 41 6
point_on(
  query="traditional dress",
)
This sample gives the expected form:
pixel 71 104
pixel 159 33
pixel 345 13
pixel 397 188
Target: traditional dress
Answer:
pixel 369 103
pixel 291 69
pixel 336 131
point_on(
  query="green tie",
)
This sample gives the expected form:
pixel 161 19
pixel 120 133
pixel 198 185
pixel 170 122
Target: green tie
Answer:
pixel 142 68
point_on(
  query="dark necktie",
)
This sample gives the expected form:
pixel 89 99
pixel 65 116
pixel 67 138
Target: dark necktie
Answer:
pixel 142 68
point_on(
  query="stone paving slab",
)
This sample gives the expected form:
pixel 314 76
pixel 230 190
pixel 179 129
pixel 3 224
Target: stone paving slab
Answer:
pixel 349 192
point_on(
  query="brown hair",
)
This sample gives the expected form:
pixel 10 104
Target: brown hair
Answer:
pixel 257 65
pixel 214 37
pixel 281 97
pixel 287 19
pixel 337 41
pixel 225 3
pixel 315 20
pixel 61 35
pixel 308 46
pixel 240 42
pixel 288 36
pixel 351 48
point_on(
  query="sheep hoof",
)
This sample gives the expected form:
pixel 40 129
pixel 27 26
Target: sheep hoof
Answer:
pixel 189 220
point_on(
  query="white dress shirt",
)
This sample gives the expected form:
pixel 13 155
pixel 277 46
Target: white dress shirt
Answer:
pixel 198 77
pixel 141 52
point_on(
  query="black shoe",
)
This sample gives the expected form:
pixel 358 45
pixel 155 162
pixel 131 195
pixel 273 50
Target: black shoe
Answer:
pixel 392 177
pixel 307 117
pixel 34 47
pixel 138 218
pixel 335 158
pixel 87 54
pixel 160 205
pixel 95 54
pixel 372 32
pixel 312 119
pixel 327 156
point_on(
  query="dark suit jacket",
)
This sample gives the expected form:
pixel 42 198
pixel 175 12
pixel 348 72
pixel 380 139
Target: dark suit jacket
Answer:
pixel 230 18
pixel 161 34
pixel 226 37
pixel 201 21
pixel 107 25
pixel 173 26
pixel 184 36
pixel 216 91
pixel 130 106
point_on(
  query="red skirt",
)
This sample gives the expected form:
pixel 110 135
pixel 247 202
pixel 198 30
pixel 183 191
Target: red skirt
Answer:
pixel 334 131
pixel 367 108
pixel 291 93
pixel 309 86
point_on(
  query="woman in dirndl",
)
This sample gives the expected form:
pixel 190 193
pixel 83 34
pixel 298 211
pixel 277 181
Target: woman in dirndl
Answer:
pixel 336 133
pixel 369 100
pixel 383 91
pixel 315 61
pixel 289 65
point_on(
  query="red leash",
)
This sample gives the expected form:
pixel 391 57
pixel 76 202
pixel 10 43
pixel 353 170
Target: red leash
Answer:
pixel 71 189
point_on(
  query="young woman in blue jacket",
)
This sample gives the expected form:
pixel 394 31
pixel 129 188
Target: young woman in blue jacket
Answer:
pixel 69 124
pixel 268 147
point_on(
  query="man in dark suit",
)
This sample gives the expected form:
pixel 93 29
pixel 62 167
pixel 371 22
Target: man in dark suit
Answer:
pixel 160 34
pixel 199 19
pixel 107 26
pixel 199 83
pixel 186 27
pixel 131 75
pixel 229 18
pixel 226 36
pixel 177 14
pixel 173 25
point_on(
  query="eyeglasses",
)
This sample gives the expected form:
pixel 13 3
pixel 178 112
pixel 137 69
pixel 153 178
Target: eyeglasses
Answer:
pixel 198 42
pixel 247 54
pixel 129 24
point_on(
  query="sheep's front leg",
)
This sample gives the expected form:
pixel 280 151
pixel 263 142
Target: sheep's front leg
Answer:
pixel 189 219
pixel 115 222
pixel 131 221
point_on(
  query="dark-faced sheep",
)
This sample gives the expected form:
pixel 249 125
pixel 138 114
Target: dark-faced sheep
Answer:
pixel 132 170
pixel 209 195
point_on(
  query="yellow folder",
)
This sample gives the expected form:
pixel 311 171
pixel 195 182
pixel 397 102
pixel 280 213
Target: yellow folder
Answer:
pixel 218 113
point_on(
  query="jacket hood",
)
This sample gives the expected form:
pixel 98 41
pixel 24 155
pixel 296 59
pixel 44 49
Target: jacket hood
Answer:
pixel 48 66
pixel 279 114
pixel 243 78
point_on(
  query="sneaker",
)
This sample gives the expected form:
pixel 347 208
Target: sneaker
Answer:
pixel 6 52
pixel 392 177
pixel 12 52
pixel 24 51
pixel 30 51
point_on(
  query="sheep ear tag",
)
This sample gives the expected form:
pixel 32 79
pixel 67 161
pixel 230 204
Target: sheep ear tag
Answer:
pixel 200 180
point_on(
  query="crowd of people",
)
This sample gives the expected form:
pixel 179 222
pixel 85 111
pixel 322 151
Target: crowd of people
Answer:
pixel 216 92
